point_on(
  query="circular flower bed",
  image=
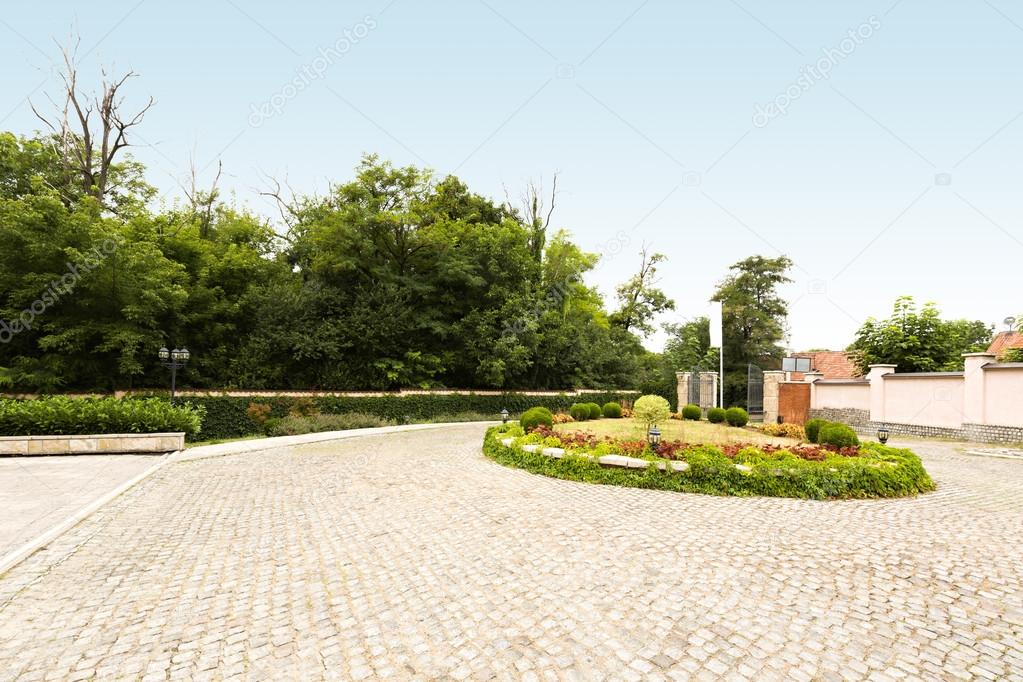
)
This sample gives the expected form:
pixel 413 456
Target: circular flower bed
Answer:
pixel 801 471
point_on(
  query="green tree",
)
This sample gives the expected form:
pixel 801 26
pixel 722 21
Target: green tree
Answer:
pixel 918 340
pixel 753 318
pixel 639 300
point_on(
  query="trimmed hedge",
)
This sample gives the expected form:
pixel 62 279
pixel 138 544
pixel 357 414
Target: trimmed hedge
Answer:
pixel 579 411
pixel 880 471
pixel 692 413
pixel 226 415
pixel 838 435
pixel 63 416
pixel 812 429
pixel 716 415
pixel 736 416
pixel 536 416
pixel 595 411
pixel 612 410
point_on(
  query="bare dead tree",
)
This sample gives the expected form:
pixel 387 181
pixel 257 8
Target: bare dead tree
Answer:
pixel 287 207
pixel 537 211
pixel 203 201
pixel 90 130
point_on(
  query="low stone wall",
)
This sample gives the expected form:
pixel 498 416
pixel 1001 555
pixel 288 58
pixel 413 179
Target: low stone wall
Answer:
pixel 980 433
pixel 858 419
pixel 105 444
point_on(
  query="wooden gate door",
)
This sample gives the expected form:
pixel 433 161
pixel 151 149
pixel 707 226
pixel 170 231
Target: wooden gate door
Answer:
pixel 794 402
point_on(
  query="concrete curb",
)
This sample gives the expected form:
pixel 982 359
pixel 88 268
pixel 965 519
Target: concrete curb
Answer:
pixel 15 557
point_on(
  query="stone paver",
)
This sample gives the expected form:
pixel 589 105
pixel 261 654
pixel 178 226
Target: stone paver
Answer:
pixel 411 556
pixel 37 493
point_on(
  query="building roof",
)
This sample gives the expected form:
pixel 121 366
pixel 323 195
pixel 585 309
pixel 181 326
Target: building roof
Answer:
pixel 1003 341
pixel 833 364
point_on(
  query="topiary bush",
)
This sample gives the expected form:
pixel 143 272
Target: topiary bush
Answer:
pixel 595 411
pixel 812 428
pixel 580 411
pixel 837 435
pixel 736 416
pixel 612 410
pixel 716 415
pixel 536 416
pixel 692 412
pixel 652 409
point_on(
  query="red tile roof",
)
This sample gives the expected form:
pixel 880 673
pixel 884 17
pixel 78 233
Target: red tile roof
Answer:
pixel 833 364
pixel 1003 341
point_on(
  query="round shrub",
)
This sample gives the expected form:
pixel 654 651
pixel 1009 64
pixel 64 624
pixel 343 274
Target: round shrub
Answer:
pixel 716 415
pixel 595 411
pixel 536 416
pixel 812 428
pixel 612 410
pixel 580 412
pixel 652 409
pixel 692 413
pixel 736 416
pixel 837 435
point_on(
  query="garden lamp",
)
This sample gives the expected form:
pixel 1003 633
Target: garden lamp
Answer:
pixel 173 360
pixel 653 436
pixel 504 416
pixel 882 434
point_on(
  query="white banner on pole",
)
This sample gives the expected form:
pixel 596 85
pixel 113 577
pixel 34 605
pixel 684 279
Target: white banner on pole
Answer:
pixel 716 323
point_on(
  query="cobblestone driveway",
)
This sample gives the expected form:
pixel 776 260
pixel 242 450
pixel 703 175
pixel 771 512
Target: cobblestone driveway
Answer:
pixel 411 556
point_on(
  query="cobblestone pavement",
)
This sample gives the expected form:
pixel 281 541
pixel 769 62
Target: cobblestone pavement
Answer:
pixel 37 493
pixel 411 556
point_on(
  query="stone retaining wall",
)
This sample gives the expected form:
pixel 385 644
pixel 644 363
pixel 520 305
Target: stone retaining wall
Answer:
pixel 105 444
pixel 855 418
pixel 981 433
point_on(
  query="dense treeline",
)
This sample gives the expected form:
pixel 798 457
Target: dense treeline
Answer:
pixel 391 280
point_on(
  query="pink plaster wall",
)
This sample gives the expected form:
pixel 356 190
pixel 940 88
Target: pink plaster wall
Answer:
pixel 926 401
pixel 842 396
pixel 1003 396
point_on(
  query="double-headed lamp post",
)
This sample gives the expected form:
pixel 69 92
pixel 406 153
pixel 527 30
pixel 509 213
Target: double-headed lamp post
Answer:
pixel 174 360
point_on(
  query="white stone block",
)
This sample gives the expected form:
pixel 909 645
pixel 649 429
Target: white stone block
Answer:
pixel 531 447
pixel 507 442
pixel 554 452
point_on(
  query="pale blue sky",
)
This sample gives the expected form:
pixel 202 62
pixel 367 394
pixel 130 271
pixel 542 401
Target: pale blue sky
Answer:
pixel 900 173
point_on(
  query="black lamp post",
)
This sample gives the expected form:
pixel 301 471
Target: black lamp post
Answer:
pixel 653 436
pixel 504 416
pixel 174 360
pixel 882 434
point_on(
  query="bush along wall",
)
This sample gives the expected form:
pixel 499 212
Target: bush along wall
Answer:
pixel 63 416
pixel 226 416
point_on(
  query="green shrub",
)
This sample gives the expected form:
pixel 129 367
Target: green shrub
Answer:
pixel 812 428
pixel 692 412
pixel 716 415
pixel 296 424
pixel 579 411
pixel 736 416
pixel 595 411
pixel 837 435
pixel 652 409
pixel 536 416
pixel 612 410
pixel 63 416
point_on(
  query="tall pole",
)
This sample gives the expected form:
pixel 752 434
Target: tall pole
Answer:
pixel 721 373
pixel 174 377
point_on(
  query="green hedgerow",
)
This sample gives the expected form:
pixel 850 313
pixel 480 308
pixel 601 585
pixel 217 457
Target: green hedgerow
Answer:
pixel 579 411
pixel 652 409
pixel 812 428
pixel 536 416
pixel 595 411
pixel 296 424
pixel 63 416
pixel 612 410
pixel 736 416
pixel 838 435
pixel 716 415
pixel 692 412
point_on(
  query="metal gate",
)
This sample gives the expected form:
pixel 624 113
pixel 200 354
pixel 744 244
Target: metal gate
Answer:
pixel 694 387
pixel 755 391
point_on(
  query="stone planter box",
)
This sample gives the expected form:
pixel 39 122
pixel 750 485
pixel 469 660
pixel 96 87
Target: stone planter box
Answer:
pixel 105 444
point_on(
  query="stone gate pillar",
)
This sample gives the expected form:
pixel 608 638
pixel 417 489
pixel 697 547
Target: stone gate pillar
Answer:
pixel 772 388
pixel 683 388
pixel 708 390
